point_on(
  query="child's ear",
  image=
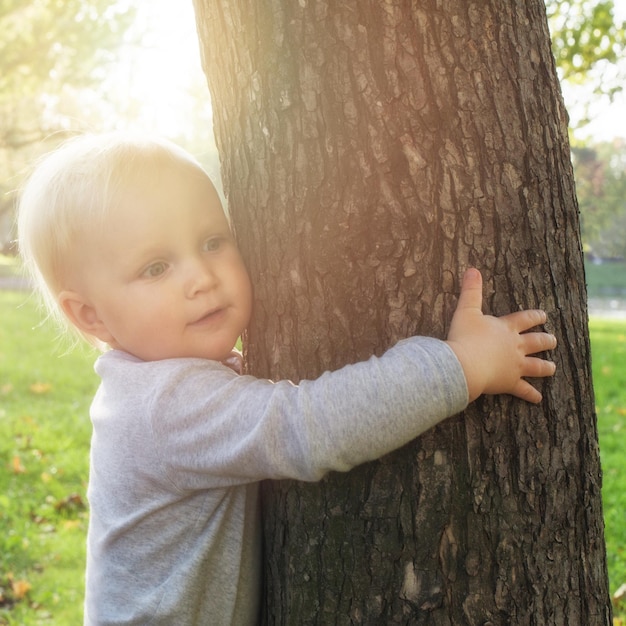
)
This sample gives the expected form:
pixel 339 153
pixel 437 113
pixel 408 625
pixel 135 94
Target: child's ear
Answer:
pixel 83 315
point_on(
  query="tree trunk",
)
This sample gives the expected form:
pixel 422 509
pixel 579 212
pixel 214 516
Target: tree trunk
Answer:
pixel 371 151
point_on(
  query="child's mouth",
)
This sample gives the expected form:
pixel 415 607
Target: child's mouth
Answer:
pixel 210 317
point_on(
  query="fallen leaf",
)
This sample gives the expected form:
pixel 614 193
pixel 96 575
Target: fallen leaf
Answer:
pixel 620 594
pixel 40 388
pixel 72 524
pixel 16 465
pixel 70 504
pixel 20 588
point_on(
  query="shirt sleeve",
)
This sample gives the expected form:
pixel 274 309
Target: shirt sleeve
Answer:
pixel 224 429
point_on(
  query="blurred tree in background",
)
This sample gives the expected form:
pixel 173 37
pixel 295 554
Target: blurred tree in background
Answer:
pixel 49 51
pixel 49 47
pixel 585 38
pixel 601 190
pixel 588 43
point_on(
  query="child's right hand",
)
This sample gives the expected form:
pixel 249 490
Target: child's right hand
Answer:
pixel 494 351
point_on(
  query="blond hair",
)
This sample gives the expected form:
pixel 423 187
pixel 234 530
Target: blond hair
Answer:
pixel 71 191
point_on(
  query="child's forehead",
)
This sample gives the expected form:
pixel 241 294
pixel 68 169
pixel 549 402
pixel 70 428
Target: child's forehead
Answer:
pixel 178 186
pixel 153 175
pixel 150 218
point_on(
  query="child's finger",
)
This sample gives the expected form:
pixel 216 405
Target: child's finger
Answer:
pixel 525 391
pixel 525 320
pixel 535 367
pixel 538 342
pixel 471 296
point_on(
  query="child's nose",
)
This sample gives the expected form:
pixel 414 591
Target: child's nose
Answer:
pixel 200 277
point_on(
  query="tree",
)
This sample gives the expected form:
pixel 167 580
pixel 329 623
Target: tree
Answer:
pixel 371 151
pixel 47 48
pixel 585 34
pixel 588 43
pixel 601 188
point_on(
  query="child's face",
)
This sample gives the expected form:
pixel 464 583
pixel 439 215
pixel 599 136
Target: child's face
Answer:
pixel 165 278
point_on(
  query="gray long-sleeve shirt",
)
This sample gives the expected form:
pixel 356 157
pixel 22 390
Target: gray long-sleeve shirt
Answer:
pixel 178 449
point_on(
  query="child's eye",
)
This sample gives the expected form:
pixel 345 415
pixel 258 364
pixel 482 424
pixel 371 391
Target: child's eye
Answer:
pixel 154 270
pixel 213 244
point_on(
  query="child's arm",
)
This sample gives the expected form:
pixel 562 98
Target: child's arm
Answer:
pixel 494 351
pixel 215 429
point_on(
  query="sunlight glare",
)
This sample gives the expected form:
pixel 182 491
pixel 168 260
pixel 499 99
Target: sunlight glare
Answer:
pixel 160 80
pixel 160 87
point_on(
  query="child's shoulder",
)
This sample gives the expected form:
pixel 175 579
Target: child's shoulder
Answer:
pixel 117 364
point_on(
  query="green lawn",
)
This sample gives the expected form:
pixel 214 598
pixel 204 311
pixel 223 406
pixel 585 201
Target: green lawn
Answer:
pixel 44 442
pixel 608 337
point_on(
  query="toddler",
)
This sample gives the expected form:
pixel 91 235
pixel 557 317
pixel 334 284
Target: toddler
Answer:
pixel 128 243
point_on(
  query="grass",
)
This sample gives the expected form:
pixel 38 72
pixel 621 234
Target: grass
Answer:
pixel 44 442
pixel 608 337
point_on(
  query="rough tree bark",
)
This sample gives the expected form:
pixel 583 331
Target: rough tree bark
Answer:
pixel 370 152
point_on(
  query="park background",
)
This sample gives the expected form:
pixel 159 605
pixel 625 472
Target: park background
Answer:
pixel 138 67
